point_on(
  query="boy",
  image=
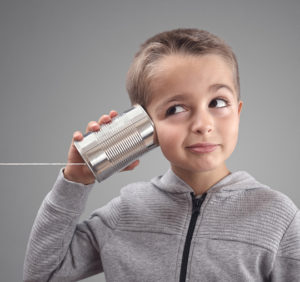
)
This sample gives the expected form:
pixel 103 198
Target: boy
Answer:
pixel 198 221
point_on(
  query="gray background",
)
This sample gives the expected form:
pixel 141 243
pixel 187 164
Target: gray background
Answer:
pixel 64 63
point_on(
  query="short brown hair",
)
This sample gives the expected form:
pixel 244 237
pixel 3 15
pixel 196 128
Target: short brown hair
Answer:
pixel 184 41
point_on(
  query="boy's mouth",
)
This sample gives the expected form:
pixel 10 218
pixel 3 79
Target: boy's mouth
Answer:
pixel 202 147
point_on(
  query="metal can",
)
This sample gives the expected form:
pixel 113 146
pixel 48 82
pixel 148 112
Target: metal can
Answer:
pixel 118 143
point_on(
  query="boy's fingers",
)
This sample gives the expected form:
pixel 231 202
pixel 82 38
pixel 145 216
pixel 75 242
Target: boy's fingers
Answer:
pixel 77 136
pixel 95 126
pixel 107 118
pixel 104 119
pixel 92 126
pixel 113 114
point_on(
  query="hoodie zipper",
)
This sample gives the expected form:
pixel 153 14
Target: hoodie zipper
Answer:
pixel 197 202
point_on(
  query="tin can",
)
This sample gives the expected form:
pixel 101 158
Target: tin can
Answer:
pixel 118 143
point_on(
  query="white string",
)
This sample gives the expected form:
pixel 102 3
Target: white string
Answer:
pixel 21 164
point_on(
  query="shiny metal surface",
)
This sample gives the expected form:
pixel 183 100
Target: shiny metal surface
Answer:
pixel 118 143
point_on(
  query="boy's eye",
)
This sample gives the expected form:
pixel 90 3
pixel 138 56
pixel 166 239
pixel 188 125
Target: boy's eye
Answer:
pixel 218 103
pixel 175 110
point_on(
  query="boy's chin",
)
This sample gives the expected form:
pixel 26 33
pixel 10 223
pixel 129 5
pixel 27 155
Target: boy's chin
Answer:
pixel 208 168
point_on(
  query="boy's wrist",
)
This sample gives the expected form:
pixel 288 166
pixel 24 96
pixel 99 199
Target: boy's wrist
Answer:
pixel 68 176
pixel 70 196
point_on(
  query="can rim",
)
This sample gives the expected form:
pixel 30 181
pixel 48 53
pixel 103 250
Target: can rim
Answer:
pixel 148 116
pixel 84 158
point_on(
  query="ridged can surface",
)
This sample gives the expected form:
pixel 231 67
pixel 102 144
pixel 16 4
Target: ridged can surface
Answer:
pixel 118 143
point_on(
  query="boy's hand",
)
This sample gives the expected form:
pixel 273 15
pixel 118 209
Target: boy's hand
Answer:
pixel 81 173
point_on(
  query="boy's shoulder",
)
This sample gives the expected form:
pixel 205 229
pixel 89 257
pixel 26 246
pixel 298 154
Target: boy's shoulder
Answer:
pixel 140 191
pixel 277 217
pixel 248 189
pixel 270 209
pixel 271 198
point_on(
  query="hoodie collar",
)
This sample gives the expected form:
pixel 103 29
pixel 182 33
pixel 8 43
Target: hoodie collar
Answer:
pixel 239 180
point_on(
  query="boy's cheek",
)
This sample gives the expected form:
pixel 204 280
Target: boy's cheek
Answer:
pixel 166 135
pixel 231 135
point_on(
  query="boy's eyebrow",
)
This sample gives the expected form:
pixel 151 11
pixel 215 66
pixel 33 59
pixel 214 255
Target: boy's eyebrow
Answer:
pixel 171 99
pixel 217 86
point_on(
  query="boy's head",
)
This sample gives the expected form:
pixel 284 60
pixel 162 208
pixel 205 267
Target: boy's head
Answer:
pixel 188 82
pixel 144 67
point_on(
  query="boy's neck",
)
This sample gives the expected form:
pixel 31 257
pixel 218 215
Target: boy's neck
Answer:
pixel 200 182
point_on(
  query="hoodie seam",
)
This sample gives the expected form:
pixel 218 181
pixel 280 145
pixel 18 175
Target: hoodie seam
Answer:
pixel 289 258
pixel 112 228
pixel 197 239
pixel 287 228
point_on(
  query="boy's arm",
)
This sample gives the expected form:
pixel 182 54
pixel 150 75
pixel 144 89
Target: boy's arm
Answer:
pixel 58 248
pixel 287 262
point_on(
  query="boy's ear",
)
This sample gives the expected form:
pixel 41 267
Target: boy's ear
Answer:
pixel 240 106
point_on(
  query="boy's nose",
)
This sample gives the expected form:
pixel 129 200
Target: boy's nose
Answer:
pixel 202 123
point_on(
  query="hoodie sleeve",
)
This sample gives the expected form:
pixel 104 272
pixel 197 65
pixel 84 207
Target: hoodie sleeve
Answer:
pixel 59 248
pixel 287 262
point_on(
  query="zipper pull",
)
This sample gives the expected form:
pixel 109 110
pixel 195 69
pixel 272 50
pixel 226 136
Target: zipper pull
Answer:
pixel 197 202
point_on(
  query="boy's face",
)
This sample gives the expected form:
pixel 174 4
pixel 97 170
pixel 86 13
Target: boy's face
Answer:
pixel 194 102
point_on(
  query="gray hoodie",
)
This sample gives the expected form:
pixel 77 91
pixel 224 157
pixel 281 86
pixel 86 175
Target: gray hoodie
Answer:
pixel 240 230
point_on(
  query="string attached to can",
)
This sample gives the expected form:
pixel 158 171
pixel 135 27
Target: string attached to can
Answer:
pixel 29 164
